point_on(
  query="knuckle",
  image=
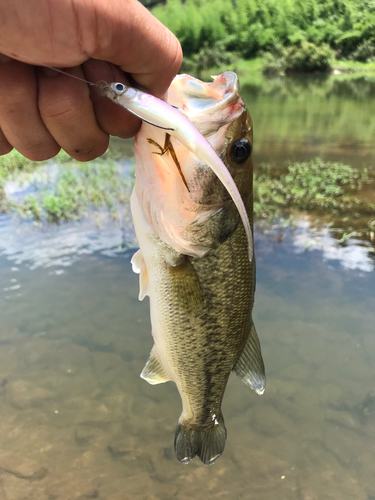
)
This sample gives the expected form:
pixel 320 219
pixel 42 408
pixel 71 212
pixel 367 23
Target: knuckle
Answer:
pixel 59 111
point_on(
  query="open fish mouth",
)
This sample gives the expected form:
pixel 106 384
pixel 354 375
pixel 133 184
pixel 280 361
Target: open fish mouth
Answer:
pixel 209 105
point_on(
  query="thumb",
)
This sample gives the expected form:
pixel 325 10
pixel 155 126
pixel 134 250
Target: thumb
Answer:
pixel 126 34
pixel 67 33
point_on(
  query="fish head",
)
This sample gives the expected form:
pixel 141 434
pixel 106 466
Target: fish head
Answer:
pixel 183 200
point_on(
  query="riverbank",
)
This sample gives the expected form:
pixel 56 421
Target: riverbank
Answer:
pixel 251 71
pixel 65 190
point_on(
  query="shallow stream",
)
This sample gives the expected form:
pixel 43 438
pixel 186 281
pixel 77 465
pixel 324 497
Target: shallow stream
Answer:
pixel 77 422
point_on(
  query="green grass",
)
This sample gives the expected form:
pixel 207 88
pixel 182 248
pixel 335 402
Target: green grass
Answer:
pixel 347 66
pixel 78 186
pixel 11 164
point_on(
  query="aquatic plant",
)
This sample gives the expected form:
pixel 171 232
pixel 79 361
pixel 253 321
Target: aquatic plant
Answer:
pixel 331 191
pixel 11 163
pixel 328 189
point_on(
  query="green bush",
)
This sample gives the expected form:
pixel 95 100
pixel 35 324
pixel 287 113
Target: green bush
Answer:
pixel 207 57
pixel 308 57
pixel 365 52
pixel 274 61
pixel 304 57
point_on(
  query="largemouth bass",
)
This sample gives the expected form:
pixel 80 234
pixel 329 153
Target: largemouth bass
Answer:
pixel 194 260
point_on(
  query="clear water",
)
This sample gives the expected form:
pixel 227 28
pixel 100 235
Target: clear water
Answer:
pixel 77 422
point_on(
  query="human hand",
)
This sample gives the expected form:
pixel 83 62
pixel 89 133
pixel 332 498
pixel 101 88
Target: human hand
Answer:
pixel 41 110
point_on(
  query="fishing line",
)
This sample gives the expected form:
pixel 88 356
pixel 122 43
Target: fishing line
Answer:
pixel 132 82
pixel 99 85
pixel 68 74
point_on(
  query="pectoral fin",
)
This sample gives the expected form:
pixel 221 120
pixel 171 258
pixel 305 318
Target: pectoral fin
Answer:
pixel 250 366
pixel 185 286
pixel 153 372
pixel 140 268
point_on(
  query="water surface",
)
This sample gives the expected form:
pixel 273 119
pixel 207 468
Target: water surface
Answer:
pixel 77 422
pixel 300 118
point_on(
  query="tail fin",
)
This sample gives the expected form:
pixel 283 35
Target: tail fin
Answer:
pixel 208 443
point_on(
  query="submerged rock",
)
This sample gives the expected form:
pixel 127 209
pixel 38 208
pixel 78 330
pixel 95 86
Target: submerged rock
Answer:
pixel 14 488
pixel 367 407
pixel 22 467
pixel 121 448
pixel 22 394
pixel 72 487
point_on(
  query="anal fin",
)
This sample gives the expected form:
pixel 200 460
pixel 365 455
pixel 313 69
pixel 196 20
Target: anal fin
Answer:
pixel 153 372
pixel 139 267
pixel 250 367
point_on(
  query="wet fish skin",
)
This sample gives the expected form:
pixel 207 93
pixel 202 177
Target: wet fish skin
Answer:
pixel 201 305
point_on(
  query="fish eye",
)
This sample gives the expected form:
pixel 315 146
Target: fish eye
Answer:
pixel 240 151
pixel 120 88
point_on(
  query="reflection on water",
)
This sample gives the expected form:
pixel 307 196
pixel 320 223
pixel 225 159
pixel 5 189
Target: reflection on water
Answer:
pixel 300 118
pixel 77 422
pixel 51 245
pixel 357 254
